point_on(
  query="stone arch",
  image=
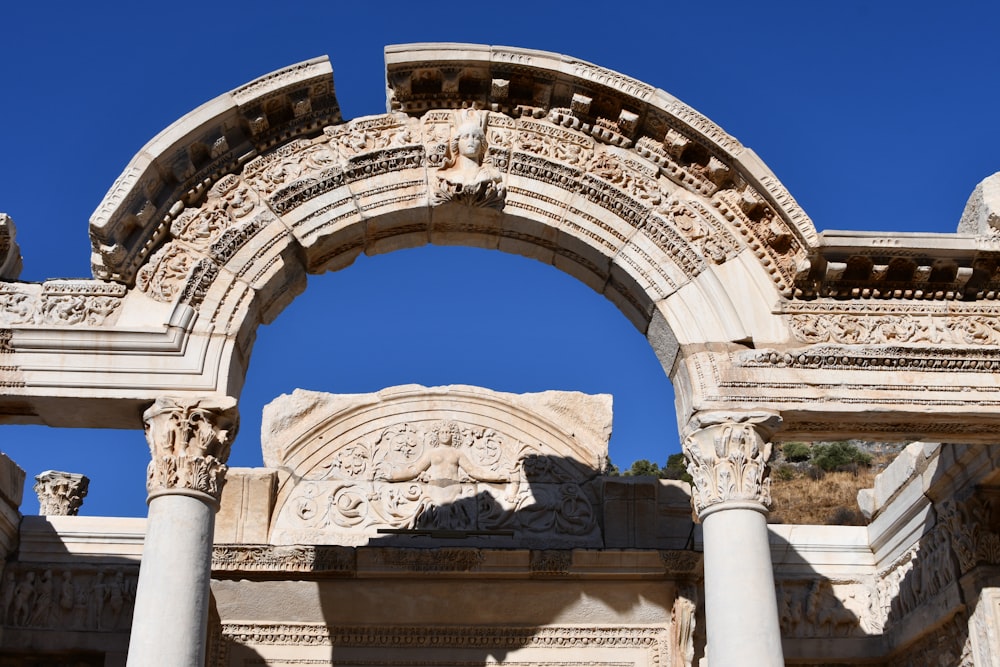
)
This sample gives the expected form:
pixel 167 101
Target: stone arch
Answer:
pixel 622 186
pixel 214 225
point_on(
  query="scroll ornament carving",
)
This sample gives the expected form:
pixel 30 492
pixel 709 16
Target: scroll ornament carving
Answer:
pixel 466 175
pixel 60 493
pixel 441 476
pixel 73 599
pixel 853 329
pixel 189 443
pixel 728 463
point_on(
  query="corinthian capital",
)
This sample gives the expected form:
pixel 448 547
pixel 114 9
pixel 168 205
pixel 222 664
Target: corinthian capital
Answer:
pixel 60 493
pixel 189 443
pixel 728 462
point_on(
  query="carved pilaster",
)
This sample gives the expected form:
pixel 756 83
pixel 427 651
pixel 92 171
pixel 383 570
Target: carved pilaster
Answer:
pixel 728 462
pixel 60 493
pixel 189 443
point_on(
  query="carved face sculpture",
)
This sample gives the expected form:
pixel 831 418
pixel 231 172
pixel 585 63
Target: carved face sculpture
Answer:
pixel 471 141
pixel 445 437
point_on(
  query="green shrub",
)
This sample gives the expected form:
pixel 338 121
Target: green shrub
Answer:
pixel 643 468
pixel 839 456
pixel 676 468
pixel 785 473
pixel 796 451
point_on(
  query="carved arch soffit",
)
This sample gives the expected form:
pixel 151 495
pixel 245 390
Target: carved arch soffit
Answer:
pixel 215 223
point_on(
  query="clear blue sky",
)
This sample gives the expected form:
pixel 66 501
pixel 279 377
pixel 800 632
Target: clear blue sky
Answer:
pixel 876 116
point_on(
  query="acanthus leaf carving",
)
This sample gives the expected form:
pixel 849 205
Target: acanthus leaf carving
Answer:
pixel 728 462
pixel 189 443
pixel 60 493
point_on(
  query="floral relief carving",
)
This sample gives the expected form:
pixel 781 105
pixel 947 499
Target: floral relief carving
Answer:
pixel 164 277
pixel 728 463
pixel 278 169
pixel 553 142
pixel 443 476
pixel 631 180
pixel 899 328
pixel 189 443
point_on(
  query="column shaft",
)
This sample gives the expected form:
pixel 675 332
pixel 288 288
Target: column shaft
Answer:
pixel 741 613
pixel 171 605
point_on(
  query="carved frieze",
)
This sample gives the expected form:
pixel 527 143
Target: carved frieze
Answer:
pixel 821 608
pixel 77 598
pixel 176 271
pixel 61 303
pixel 891 357
pixel 324 560
pixel 571 646
pixel 437 462
pixel 948 644
pixel 851 329
pixel 443 476
pixel 728 463
pixel 60 493
pixel 189 443
pixel 429 560
pixel 551 562
pixel 966 527
pixel 226 212
pixel 928 568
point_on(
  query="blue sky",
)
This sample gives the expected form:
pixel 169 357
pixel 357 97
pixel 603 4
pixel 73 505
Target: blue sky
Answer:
pixel 876 116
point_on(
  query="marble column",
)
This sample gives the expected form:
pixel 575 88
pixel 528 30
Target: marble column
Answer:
pixel 189 444
pixel 727 457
